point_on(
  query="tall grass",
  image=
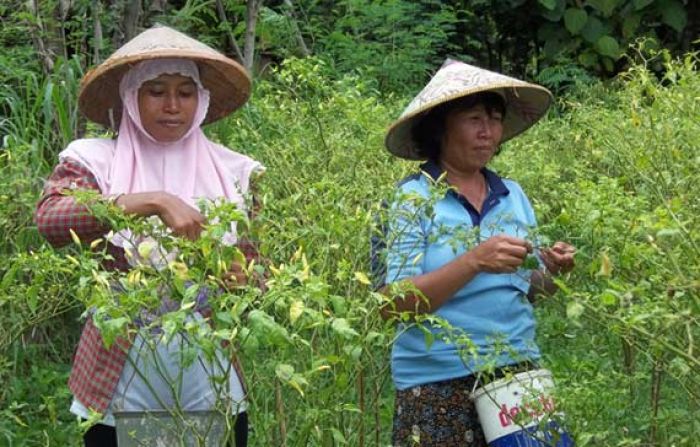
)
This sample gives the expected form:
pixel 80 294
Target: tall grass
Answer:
pixel 41 113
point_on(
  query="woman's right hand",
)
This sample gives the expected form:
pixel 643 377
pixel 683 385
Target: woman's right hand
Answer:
pixel 180 217
pixel 177 215
pixel 500 254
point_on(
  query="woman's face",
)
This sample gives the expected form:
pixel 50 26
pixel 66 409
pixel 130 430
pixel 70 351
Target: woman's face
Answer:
pixel 471 137
pixel 167 106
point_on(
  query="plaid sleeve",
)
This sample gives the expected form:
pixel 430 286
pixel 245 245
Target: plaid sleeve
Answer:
pixel 57 213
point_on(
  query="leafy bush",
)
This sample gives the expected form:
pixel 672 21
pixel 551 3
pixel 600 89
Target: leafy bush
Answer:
pixel 614 175
pixel 613 172
pixel 394 41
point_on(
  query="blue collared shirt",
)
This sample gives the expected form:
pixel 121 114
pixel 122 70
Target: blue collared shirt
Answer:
pixel 430 225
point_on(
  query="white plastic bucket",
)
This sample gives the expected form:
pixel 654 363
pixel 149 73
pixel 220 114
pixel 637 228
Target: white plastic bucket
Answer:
pixel 160 429
pixel 517 412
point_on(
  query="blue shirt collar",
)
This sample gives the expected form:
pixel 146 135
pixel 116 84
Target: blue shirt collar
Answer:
pixel 496 185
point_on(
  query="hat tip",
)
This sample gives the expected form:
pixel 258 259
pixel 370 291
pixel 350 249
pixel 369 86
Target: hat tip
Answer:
pixel 449 61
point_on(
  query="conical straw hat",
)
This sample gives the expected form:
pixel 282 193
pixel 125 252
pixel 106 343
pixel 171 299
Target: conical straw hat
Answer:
pixel 525 103
pixel 227 81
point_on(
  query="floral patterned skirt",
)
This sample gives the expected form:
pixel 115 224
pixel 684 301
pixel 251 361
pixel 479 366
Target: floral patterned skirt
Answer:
pixel 442 413
pixel 437 414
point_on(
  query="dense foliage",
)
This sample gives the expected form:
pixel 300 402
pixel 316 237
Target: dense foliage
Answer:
pixel 611 170
pixel 395 42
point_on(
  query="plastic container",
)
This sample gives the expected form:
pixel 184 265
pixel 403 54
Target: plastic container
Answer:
pixel 162 429
pixel 518 412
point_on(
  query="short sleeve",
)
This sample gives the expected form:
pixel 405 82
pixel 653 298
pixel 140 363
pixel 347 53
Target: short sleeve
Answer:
pixel 406 238
pixel 57 214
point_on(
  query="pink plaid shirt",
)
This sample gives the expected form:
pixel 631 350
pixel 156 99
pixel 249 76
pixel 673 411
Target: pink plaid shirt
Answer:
pixel 96 369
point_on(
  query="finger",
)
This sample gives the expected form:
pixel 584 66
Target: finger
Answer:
pixel 197 230
pixel 236 268
pixel 564 251
pixel 549 261
pixel 563 259
pixel 563 247
pixel 235 280
pixel 193 232
pixel 557 263
pixel 199 219
pixel 517 251
pixel 513 263
pixel 514 240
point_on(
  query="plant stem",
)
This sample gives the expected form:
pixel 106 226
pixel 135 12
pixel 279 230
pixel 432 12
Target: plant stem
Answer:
pixel 280 414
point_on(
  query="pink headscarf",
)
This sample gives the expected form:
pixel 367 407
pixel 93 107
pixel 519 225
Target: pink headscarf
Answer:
pixel 192 167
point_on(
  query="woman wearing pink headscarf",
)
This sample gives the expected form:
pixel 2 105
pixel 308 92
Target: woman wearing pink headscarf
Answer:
pixel 162 85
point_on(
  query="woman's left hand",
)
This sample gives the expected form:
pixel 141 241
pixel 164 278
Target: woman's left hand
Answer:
pixel 559 258
pixel 235 277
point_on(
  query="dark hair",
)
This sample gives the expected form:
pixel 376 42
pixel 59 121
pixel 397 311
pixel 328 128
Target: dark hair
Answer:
pixel 428 132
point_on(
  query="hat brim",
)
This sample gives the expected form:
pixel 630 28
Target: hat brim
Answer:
pixel 525 105
pixel 227 81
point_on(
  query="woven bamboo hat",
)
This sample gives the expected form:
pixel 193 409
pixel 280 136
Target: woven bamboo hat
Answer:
pixel 227 81
pixel 525 103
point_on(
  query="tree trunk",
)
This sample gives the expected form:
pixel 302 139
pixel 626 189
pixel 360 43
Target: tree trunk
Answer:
pixel 230 37
pixel 157 6
pixel 97 36
pixel 252 9
pixel 289 12
pixel 132 14
pixel 656 376
pixel 61 14
pixel 37 34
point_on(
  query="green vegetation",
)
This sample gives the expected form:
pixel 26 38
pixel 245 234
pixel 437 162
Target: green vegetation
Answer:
pixel 613 169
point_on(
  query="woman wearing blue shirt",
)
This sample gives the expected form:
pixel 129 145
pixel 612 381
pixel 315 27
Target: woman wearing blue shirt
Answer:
pixel 456 243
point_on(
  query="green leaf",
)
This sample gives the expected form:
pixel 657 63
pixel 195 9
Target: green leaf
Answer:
pixel 549 4
pixel 555 14
pixel 668 233
pixel 343 328
pixel 224 317
pixel 338 436
pixel 339 304
pixel 284 372
pixel 608 64
pixel 608 46
pixel 362 278
pixel 574 310
pixel 575 19
pixel 531 263
pixel 552 31
pixel 608 298
pixel 593 30
pixel 606 7
pixel 428 337
pixel 295 310
pixel 674 15
pixel 552 48
pixel 630 25
pixel 641 4
pixel 8 277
